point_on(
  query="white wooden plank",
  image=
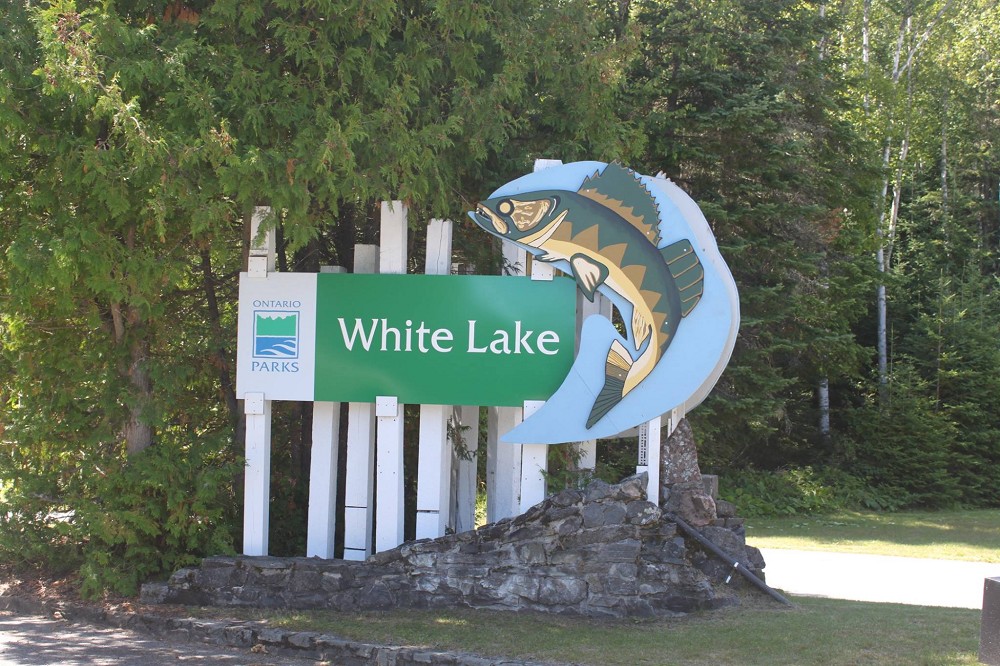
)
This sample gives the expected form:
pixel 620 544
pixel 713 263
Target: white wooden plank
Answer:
pixel 466 482
pixel 257 476
pixel 257 410
pixel 392 238
pixel 322 516
pixel 433 472
pixel 503 465
pixel 649 442
pixel 265 248
pixel 503 461
pixel 389 472
pixel 389 430
pixel 434 454
pixel 534 464
pixel 542 163
pixel 439 241
pixel 588 454
pixel 359 479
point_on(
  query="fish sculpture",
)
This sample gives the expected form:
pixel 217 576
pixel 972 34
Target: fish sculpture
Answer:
pixel 606 235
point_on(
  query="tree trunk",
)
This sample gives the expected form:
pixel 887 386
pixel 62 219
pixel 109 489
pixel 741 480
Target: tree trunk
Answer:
pixel 236 420
pixel 137 433
pixel 823 395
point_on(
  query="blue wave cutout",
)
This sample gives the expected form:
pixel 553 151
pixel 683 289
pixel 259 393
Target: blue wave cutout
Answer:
pixel 276 346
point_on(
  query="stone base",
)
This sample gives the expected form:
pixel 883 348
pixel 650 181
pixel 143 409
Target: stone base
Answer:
pixel 603 551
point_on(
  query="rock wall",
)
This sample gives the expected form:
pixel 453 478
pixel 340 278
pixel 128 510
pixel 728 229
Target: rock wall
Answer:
pixel 603 551
pixel 686 493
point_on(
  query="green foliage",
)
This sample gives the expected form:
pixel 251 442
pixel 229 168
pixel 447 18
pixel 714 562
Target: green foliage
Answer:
pixel 119 522
pixel 805 490
pixel 153 514
pixel 909 443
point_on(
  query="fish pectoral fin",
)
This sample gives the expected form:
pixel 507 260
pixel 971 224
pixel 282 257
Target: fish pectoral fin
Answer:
pixel 589 274
pixel 640 329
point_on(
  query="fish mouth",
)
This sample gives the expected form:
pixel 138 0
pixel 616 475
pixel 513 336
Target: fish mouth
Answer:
pixel 486 218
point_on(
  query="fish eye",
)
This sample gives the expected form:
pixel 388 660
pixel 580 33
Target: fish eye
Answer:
pixel 505 207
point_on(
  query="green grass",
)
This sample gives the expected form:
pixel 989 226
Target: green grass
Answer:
pixel 817 631
pixel 947 535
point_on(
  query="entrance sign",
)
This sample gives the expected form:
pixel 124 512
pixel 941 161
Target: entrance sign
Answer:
pixel 427 339
pixel 443 339
pixel 643 243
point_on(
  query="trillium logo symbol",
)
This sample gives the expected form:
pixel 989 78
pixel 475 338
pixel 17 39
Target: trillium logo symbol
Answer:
pixel 275 334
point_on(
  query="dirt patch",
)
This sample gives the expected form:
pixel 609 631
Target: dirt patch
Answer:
pixel 55 591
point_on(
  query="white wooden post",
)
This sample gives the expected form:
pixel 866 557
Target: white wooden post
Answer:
pixel 534 457
pixel 433 473
pixel 434 455
pixel 503 465
pixel 388 413
pixel 503 461
pixel 585 308
pixel 534 464
pixel 257 475
pixel 389 472
pixel 359 484
pixel 360 474
pixel 322 517
pixel 649 457
pixel 263 253
pixel 322 520
pixel 466 486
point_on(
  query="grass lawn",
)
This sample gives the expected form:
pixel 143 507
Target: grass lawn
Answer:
pixel 946 535
pixel 818 631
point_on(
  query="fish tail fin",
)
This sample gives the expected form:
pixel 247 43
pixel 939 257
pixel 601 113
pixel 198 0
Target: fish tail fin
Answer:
pixel 616 369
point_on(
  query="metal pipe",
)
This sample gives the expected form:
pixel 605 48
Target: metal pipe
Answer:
pixel 728 559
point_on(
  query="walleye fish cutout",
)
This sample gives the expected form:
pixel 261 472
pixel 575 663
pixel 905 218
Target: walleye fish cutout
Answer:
pixel 644 244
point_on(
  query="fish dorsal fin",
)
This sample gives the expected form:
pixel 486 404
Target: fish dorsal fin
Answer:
pixel 689 275
pixel 619 190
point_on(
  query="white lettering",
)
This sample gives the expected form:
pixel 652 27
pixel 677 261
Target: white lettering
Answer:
pixel 386 331
pixel 439 336
pixel 473 349
pixel 359 332
pixel 546 338
pixel 277 304
pixel 522 340
pixel 274 366
pixel 501 342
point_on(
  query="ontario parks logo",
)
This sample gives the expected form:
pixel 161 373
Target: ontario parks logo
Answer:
pixel 275 334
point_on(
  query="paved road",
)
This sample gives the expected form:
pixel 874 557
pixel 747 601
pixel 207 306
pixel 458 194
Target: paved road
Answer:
pixel 903 580
pixel 28 640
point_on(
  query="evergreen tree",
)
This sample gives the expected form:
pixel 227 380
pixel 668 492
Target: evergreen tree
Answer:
pixel 742 109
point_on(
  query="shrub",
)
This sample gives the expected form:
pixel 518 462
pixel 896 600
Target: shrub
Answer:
pixel 162 510
pixel 805 490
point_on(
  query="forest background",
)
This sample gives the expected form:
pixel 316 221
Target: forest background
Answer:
pixel 845 153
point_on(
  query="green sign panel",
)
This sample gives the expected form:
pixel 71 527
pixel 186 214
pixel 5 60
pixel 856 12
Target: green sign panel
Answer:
pixel 442 339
